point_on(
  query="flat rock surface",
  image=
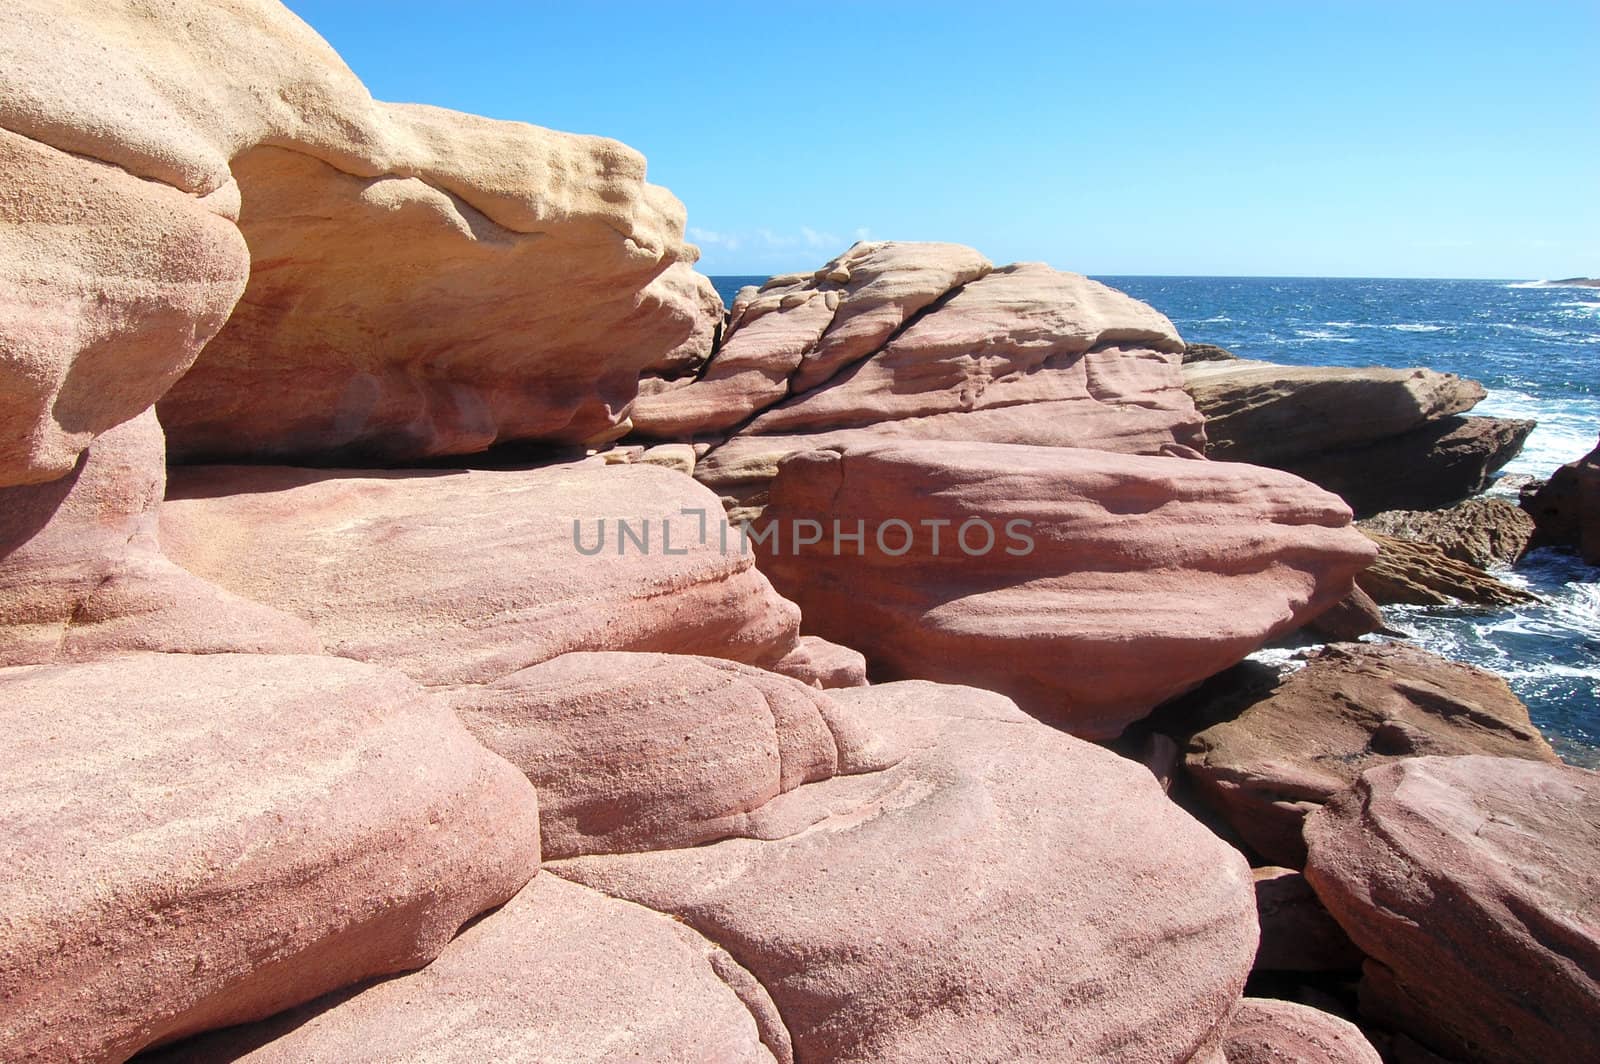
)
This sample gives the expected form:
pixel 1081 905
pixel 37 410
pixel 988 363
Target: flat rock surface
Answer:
pixel 1473 883
pixel 1131 579
pixel 1003 893
pixel 1351 708
pixel 458 576
pixel 194 841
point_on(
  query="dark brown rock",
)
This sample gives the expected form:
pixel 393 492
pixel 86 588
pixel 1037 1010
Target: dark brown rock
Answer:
pixel 1349 619
pixel 1566 508
pixel 1480 532
pixel 1419 574
pixel 1297 934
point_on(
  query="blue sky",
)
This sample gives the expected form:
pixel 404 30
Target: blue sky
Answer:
pixel 1322 139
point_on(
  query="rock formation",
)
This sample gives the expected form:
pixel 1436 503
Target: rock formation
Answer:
pixel 458 576
pixel 1297 934
pixel 1566 509
pixel 1265 1031
pixel 1479 532
pixel 1471 884
pixel 1288 749
pixel 1382 439
pixel 1413 573
pixel 197 840
pixel 1128 580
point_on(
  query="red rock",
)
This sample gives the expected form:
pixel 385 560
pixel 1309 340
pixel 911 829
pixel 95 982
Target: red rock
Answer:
pixel 1267 1031
pixel 1566 509
pixel 194 841
pixel 658 751
pixel 1297 934
pixel 1004 893
pixel 457 576
pixel 82 574
pixel 1349 619
pixel 820 663
pixel 1473 884
pixel 1290 748
pixel 1145 575
pixel 560 974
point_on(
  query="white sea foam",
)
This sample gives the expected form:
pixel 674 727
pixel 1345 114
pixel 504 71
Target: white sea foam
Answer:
pixel 1416 327
pixel 1565 431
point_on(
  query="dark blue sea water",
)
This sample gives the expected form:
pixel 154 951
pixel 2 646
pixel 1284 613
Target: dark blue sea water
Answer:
pixel 1535 347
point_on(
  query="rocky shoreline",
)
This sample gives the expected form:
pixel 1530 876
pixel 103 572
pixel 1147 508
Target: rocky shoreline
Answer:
pixel 433 627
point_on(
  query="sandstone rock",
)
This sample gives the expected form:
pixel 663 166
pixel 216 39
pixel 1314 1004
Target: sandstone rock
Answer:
pixel 1480 532
pixel 679 456
pixel 907 915
pixel 1265 1031
pixel 456 576
pixel 1270 414
pixel 1206 353
pixel 109 287
pixel 1352 706
pixel 820 663
pixel 1472 884
pixel 797 332
pixel 1566 509
pixel 1137 578
pixel 1436 465
pixel 562 973
pixel 1025 354
pixel 1297 934
pixel 1349 619
pixel 658 751
pixel 1420 574
pixel 683 287
pixel 425 282
pixel 197 840
pixel 82 574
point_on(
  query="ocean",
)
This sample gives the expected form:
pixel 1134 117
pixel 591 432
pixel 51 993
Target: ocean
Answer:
pixel 1535 347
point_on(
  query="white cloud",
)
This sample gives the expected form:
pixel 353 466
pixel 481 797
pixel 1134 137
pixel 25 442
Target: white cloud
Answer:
pixel 767 239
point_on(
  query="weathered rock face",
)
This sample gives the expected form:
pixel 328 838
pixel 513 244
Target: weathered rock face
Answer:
pixel 424 282
pixel 1472 884
pixel 457 576
pixel 257 831
pixel 82 574
pixel 109 287
pixel 1349 619
pixel 1293 747
pixel 658 751
pixel 1129 579
pixel 820 663
pixel 1480 532
pixel 1567 508
pixel 562 973
pixel 1022 354
pixel 1265 1031
pixel 1382 439
pixel 1297 934
pixel 1414 573
pixel 899 918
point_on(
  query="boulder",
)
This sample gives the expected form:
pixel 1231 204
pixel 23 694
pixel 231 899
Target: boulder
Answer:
pixel 1292 747
pixel 658 751
pixel 198 840
pixel 1480 532
pixel 820 663
pixel 1269 414
pixel 1023 354
pixel 1473 885
pixel 1566 508
pixel 1410 572
pixel 458 576
pixel 797 332
pixel 1267 1031
pixel 1297 934
pixel 82 574
pixel 1206 353
pixel 1435 465
pixel 907 914
pixel 561 973
pixel 423 282
pixel 1089 586
pixel 1349 619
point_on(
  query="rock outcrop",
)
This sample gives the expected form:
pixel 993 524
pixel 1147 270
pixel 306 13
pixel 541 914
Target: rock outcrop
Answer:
pixel 82 574
pixel 1413 573
pixel 1566 509
pixel 1471 884
pixel 1479 532
pixel 420 283
pixel 820 663
pixel 1292 747
pixel 1382 439
pixel 1003 893
pixel 1088 586
pixel 1266 1031
pixel 561 973
pixel 457 576
pixel 197 840
pixel 660 751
